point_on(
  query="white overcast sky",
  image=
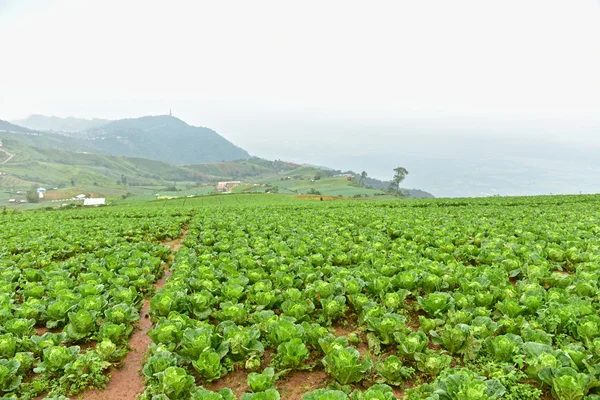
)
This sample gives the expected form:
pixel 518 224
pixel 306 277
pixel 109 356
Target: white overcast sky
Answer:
pixel 252 69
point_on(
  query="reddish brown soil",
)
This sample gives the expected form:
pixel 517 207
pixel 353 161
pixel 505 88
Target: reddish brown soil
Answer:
pixel 176 244
pixel 412 321
pixel 297 383
pixel 41 330
pixel 127 382
pixel 291 387
pixel 236 381
pixel 399 391
pixel 349 326
pixel 346 325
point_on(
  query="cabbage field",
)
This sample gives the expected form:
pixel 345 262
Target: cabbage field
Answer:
pixel 272 297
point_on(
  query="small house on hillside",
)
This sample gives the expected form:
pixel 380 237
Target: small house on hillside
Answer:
pixel 101 201
pixel 226 186
pixel 80 196
pixel 12 200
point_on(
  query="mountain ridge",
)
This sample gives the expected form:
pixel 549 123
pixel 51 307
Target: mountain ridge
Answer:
pixel 6 126
pixel 163 137
pixel 53 123
pixel 141 150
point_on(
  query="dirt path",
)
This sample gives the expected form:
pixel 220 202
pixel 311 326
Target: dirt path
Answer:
pixel 10 156
pixel 127 382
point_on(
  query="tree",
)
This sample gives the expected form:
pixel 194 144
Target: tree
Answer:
pixel 363 176
pixel 32 196
pixel 399 175
pixel 72 182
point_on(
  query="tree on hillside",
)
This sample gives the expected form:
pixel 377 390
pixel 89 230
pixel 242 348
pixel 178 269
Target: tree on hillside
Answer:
pixel 399 175
pixel 363 176
pixel 32 196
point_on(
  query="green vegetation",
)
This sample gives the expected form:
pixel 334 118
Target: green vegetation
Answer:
pixel 71 288
pixel 473 299
pixel 135 153
pixel 493 298
pixel 399 175
pixel 162 138
pixel 55 167
pixel 139 179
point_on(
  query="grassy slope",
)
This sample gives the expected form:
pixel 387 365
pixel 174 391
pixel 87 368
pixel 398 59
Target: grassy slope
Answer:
pixel 98 174
pixel 54 167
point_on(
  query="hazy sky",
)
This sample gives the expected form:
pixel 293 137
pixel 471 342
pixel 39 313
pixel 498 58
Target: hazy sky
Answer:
pixel 265 73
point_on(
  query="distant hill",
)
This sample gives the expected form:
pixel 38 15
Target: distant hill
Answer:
pixel 6 126
pixel 378 184
pixel 158 150
pixel 162 138
pixel 260 170
pixel 57 124
pixel 50 167
pixel 56 167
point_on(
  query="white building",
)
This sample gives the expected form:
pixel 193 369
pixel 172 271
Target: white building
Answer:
pixel 101 201
pixel 227 186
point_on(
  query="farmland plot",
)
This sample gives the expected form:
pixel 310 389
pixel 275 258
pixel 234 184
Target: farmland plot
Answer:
pixel 443 299
pixel 71 285
pixel 276 298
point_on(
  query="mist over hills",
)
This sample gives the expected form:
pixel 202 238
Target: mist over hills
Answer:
pixel 6 126
pixel 447 158
pixel 164 138
pixel 153 150
pixel 57 124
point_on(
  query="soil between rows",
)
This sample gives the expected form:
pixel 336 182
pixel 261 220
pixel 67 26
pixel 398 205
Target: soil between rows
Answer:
pixel 127 381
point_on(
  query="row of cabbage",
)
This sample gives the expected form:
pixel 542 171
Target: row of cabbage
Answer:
pixel 71 286
pixel 463 302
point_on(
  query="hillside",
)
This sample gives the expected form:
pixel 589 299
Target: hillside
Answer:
pixel 144 179
pixel 6 126
pixel 57 124
pixel 295 178
pixel 57 167
pixel 162 138
pixel 151 155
